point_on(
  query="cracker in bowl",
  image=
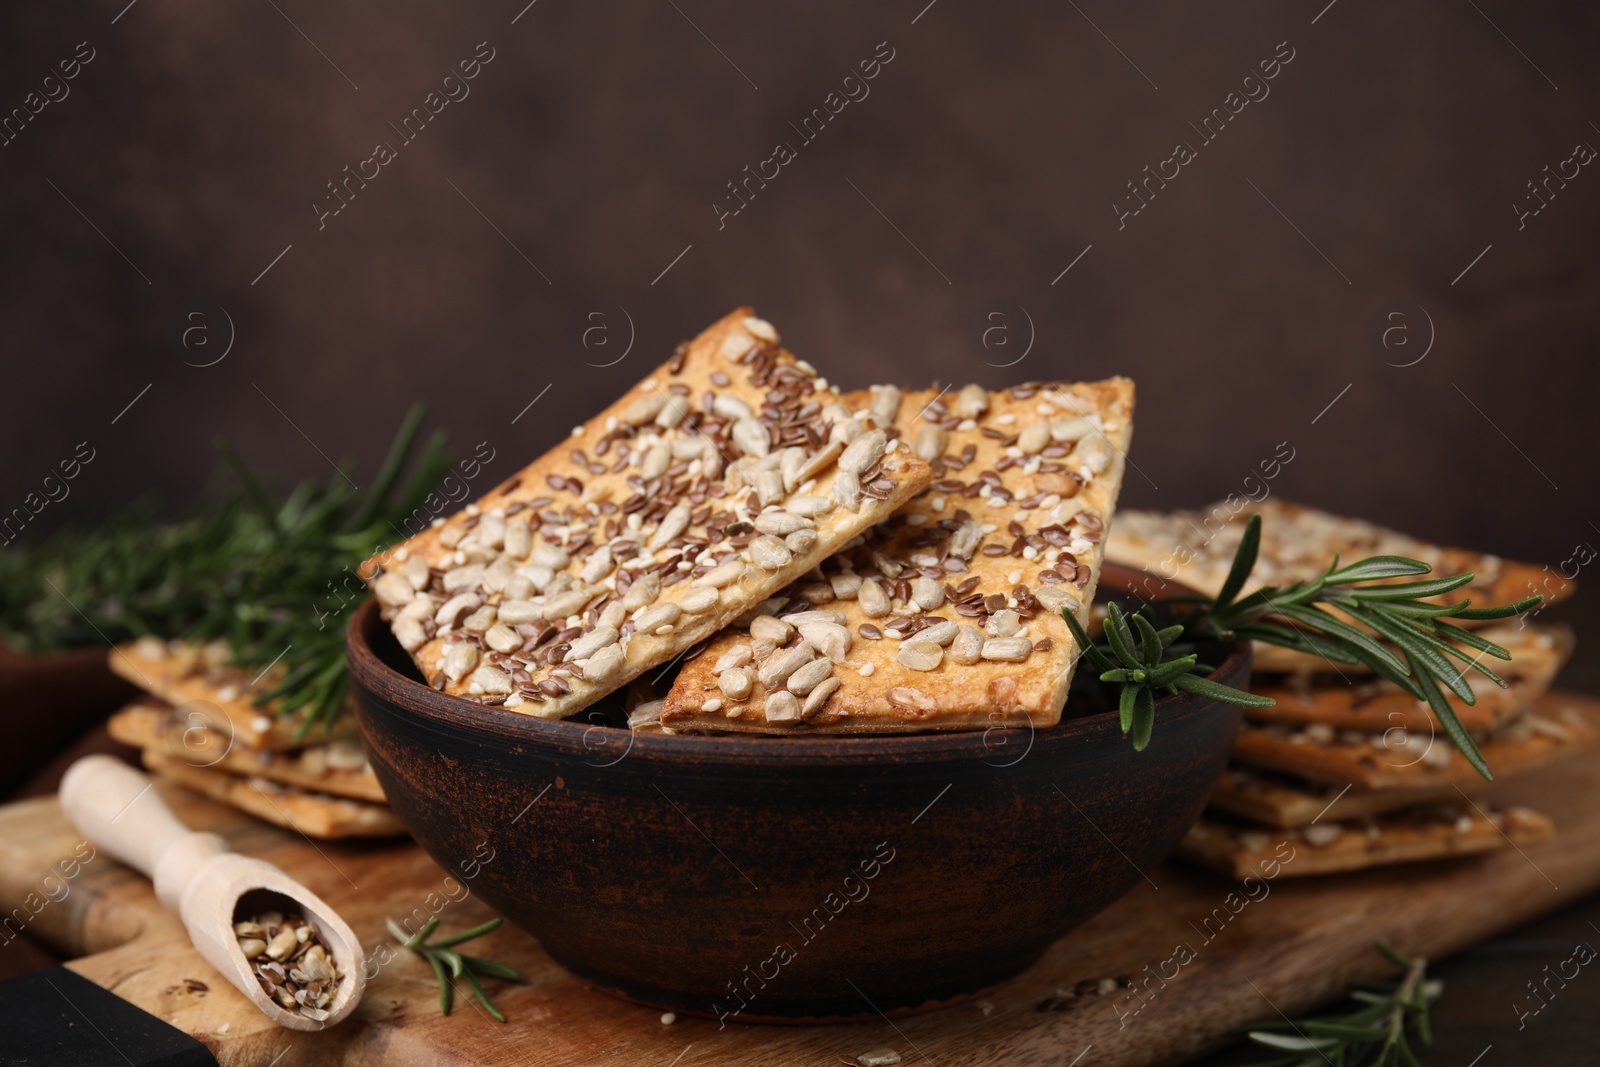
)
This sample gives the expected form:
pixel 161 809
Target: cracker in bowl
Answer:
pixel 727 473
pixel 947 615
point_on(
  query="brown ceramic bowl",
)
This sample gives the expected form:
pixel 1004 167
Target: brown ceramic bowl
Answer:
pixel 778 879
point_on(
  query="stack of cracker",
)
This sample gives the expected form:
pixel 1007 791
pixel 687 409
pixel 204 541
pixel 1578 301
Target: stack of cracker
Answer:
pixel 1346 764
pixel 199 726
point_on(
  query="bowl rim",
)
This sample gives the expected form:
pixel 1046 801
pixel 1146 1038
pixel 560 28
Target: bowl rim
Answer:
pixel 372 676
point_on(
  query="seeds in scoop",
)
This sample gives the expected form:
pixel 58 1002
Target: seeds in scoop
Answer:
pixel 291 961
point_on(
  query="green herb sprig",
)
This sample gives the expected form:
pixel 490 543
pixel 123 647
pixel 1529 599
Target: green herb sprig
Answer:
pixel 448 964
pixel 1377 1034
pixel 270 578
pixel 1408 641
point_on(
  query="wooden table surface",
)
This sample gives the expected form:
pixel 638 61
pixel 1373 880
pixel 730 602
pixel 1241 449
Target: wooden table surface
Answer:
pixel 1291 949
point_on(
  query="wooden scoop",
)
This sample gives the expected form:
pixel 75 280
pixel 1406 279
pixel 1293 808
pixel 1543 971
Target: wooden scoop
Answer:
pixel 195 875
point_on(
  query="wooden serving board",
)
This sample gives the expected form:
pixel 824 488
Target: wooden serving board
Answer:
pixel 1289 949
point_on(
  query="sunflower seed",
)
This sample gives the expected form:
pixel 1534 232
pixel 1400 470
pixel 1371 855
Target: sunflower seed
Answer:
pixel 651 619
pixel 873 599
pixel 927 593
pixel 810 506
pixel 410 634
pixel 846 584
pixel 782 706
pixel 491 680
pixel 452 609
pixel 809 676
pixel 672 524
pixel 919 655
pixel 734 683
pixel 847 490
pixel 502 638
pixel 655 462
pixel 1003 623
pixel 769 553
pixel 781 522
pixel 697 600
pixel 885 403
pixel 644 409
pixel 782 663
pixel 605 666
pixel 818 697
pixel 392 589
pixel 737 656
pixel 1009 649
pixel 459 660
pixel 592 642
pixel 770 628
pixel 751 436
pixel 964 542
pixel 864 451
pixel 830 638
pixel 967 648
pixel 941 633
pixel 972 401
pixel 931 438
pixel 729 408
pixel 643 592
pixel 1095 452
pixel 675 407
pixel 1033 437
pixel 720 576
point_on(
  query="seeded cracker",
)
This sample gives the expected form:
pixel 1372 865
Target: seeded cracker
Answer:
pixel 338 768
pixel 633 539
pixel 313 814
pixel 946 616
pixel 1328 847
pixel 1285 801
pixel 1560 725
pixel 1297 543
pixel 1366 702
pixel 197 680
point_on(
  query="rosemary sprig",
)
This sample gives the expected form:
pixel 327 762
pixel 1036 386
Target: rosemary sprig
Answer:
pixel 448 964
pixel 1405 640
pixel 272 579
pixel 1378 1034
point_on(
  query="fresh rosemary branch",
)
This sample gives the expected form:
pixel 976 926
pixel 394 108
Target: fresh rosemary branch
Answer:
pixel 1406 641
pixel 1375 1035
pixel 448 964
pixel 270 579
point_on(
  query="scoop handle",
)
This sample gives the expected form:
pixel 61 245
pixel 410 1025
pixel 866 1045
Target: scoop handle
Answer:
pixel 119 811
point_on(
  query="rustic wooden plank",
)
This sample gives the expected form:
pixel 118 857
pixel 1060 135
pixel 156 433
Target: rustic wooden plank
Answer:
pixel 1293 944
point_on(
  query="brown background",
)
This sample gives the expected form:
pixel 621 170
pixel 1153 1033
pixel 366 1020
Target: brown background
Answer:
pixel 996 140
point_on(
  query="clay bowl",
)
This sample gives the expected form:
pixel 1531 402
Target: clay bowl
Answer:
pixel 787 880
